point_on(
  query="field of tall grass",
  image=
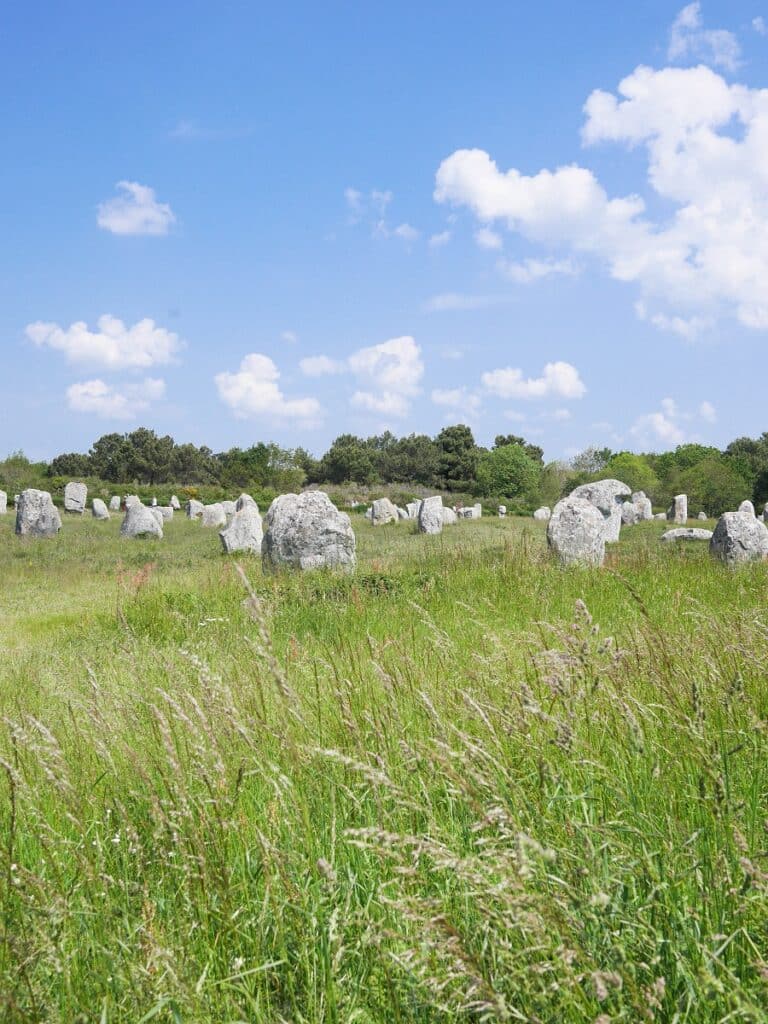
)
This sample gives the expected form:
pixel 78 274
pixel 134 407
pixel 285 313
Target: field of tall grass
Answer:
pixel 462 784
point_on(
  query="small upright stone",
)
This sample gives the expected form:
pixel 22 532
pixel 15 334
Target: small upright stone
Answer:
pixel 194 509
pixel 401 513
pixel 449 516
pixel 75 497
pixel 154 502
pixel 245 501
pixel 502 511
pixel 739 537
pixel 307 531
pixel 543 514
pixel 431 515
pixel 702 517
pixel 678 510
pixel 628 514
pixel 660 515
pixel 140 521
pixel 643 506
pixel 747 506
pixel 607 497
pixel 412 508
pixel 175 503
pixel 99 509
pixel 576 532
pixel 214 515
pixel 36 515
pixel 166 511
pixel 383 511
pixel 114 503
pixel 245 531
pixel 3 503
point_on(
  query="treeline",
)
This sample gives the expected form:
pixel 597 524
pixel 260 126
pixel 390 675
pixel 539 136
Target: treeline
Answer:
pixel 512 470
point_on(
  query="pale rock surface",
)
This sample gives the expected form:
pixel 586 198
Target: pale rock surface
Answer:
pixel 245 501
pixel 449 516
pixel 747 506
pixel 607 496
pixel 230 507
pixel 702 517
pixel 629 514
pixel 245 531
pixel 194 509
pixel 75 497
pixel 307 531
pixel 431 515
pixel 214 515
pixel 383 511
pixel 401 513
pixel 175 503
pixel 99 509
pixel 114 503
pixel 3 503
pixel 577 532
pixel 678 510
pixel 154 502
pixel 686 533
pixel 643 506
pixel 660 515
pixel 502 511
pixel 140 521
pixel 412 508
pixel 36 515
pixel 131 499
pixel 166 511
pixel 739 537
pixel 543 514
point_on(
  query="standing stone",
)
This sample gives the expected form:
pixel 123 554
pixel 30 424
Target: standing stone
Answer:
pixel 166 511
pixel 214 515
pixel 401 513
pixel 36 515
pixel 660 515
pixel 154 503
pixel 543 514
pixel 702 517
pixel 16 500
pixel 739 537
pixel 99 509
pixel 412 508
pixel 383 511
pixel 765 514
pixel 431 515
pixel 628 514
pixel 175 503
pixel 576 532
pixel 155 510
pixel 140 521
pixel 643 506
pixel 307 531
pixel 449 516
pixel 245 531
pixel 747 506
pixel 678 510
pixel 245 501
pixel 75 497
pixel 131 499
pixel 3 503
pixel 686 533
pixel 194 509
pixel 229 507
pixel 605 495
pixel 114 503
pixel 502 511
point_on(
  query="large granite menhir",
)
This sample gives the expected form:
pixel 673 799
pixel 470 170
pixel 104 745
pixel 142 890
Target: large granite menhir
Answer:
pixel 36 515
pixel 739 537
pixel 307 531
pixel 607 496
pixel 75 497
pixel 576 532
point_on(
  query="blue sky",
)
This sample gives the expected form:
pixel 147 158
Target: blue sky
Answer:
pixel 233 223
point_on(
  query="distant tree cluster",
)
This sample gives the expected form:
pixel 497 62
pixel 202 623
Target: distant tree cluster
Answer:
pixel 512 470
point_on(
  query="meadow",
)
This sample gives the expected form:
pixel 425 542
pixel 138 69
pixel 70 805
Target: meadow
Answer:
pixel 461 784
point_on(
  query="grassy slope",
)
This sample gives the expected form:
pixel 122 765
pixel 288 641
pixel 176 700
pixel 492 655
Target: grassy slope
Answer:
pixel 432 791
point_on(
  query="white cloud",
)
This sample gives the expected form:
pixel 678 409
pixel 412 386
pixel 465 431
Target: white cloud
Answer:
pixel 656 426
pixel 708 412
pixel 289 337
pixel 558 380
pixel 685 327
pixel 531 270
pixel 689 39
pixel 561 415
pixel 488 239
pixel 440 239
pixel 254 391
pixel 458 401
pixel 389 374
pixel 113 346
pixel 406 232
pixel 320 366
pixel 452 301
pixel 135 212
pixel 514 416
pixel 706 146
pixel 760 26
pixel 101 399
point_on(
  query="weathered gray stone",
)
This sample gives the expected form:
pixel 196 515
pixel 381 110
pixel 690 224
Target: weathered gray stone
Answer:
pixel 412 508
pixel 195 509
pixel 155 510
pixel 747 506
pixel 230 507
pixel 140 521
pixel 576 532
pixel 502 511
pixel 245 531
pixel 131 499
pixel 307 531
pixel 628 514
pixel 154 503
pixel 75 497
pixel 739 537
pixel 431 515
pixel 401 513
pixel 702 517
pixel 175 503
pixel 36 515
pixel 3 503
pixel 166 511
pixel 543 514
pixel 99 509
pixel 678 510
pixel 245 501
pixel 114 503
pixel 660 515
pixel 383 511
pixel 449 516
pixel 643 506
pixel 16 500
pixel 471 511
pixel 607 496
pixel 686 533
pixel 214 515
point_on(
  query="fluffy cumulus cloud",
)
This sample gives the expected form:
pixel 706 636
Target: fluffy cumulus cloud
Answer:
pixel 389 375
pixel 670 425
pixel 558 380
pixel 706 147
pixel 104 400
pixel 688 39
pixel 254 391
pixel 135 211
pixel 112 346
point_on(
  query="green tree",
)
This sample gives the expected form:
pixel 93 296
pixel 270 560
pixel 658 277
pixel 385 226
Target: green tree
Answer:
pixel 532 450
pixel 348 459
pixel 109 457
pixel 590 461
pixel 412 459
pixel 633 470
pixel 713 485
pixel 508 471
pixel 457 458
pixel 71 464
